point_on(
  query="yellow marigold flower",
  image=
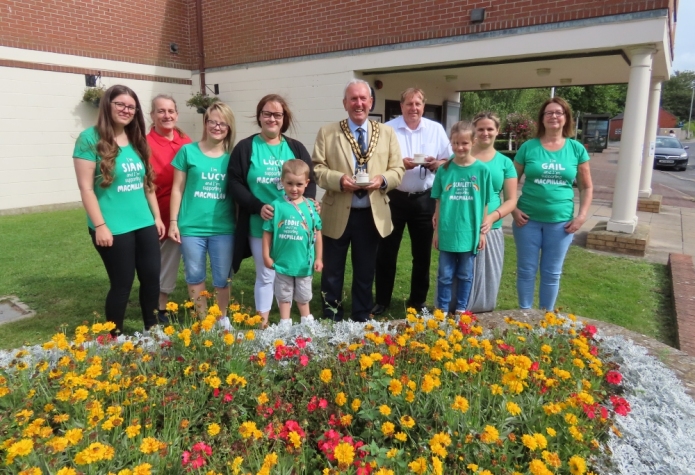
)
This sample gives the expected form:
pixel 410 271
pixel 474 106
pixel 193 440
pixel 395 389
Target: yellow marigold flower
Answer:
pixel 66 471
pixel 356 403
pixel 346 420
pixel 234 378
pixel 561 373
pixel 395 387
pixel 541 441
pixel 388 369
pixel 571 419
pixel 410 396
pixel 419 465
pixel 472 467
pixel 551 432
pixel 59 418
pixel 142 469
pixel 262 398
pixel 213 429
pixel 295 439
pixel 31 471
pixel 388 428
pixel 577 465
pixel 537 467
pixel 460 404
pixel 236 464
pixel 250 335
pixel 428 383
pixel 132 430
pixel 340 399
pixel 149 445
pixel 407 422
pixel 385 410
pixel 529 442
pixel 365 362
pixel 74 436
pixel 391 453
pixel 437 466
pixel 127 346
pixel 574 432
pixel 249 429
pixel 58 444
pixel 490 435
pixel 513 408
pixel 496 389
pixel 344 453
pixel 21 448
pixel 552 459
pixel 401 436
pixel 326 375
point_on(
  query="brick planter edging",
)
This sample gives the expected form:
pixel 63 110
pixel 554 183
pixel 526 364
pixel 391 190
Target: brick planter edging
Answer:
pixel 683 277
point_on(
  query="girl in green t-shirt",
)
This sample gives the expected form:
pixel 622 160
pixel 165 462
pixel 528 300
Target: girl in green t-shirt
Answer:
pixel 462 188
pixel 117 190
pixel 202 213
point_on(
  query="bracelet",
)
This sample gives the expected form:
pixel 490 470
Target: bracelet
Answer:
pixel 173 220
pixel 102 224
pixel 498 212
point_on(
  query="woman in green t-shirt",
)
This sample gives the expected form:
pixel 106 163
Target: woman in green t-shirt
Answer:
pixel 112 163
pixel 254 182
pixel 544 221
pixel 202 212
pixel 487 272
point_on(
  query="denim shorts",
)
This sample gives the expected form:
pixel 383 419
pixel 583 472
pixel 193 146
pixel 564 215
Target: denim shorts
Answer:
pixel 195 250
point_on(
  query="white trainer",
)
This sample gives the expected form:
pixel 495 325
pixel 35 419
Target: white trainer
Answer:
pixel 307 319
pixel 225 324
pixel 285 323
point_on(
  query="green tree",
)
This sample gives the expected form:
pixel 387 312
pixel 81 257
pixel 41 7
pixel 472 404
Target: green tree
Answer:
pixel 599 99
pixel 676 94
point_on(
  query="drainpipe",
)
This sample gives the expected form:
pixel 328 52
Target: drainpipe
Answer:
pixel 201 50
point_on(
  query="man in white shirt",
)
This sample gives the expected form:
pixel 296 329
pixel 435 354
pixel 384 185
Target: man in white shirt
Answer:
pixel 410 203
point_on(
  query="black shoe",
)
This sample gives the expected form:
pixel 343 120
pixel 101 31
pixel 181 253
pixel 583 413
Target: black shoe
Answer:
pixel 417 307
pixel 378 309
pixel 162 317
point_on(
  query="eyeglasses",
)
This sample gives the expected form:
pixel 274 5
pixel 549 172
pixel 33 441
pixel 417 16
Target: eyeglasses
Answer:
pixel 214 125
pixel 553 114
pixel 275 115
pixel 121 107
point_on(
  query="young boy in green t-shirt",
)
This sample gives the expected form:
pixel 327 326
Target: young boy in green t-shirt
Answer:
pixel 292 243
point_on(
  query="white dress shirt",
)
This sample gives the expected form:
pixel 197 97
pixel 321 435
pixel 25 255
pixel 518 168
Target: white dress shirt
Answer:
pixel 429 138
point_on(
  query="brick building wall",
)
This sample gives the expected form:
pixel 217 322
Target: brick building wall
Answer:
pixel 127 30
pixel 241 31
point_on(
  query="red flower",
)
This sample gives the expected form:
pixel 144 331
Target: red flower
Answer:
pixel 613 377
pixel 620 405
pixel 589 331
pixel 304 360
pixel 323 404
pixel 535 366
pixel 216 392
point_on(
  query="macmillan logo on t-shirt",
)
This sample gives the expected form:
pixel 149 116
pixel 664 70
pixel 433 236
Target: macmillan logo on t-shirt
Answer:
pixel 212 185
pixel 133 176
pixel 552 174
pixel 289 229
pixel 273 170
pixel 462 189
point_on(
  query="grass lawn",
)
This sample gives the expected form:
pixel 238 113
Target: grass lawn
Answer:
pixel 48 261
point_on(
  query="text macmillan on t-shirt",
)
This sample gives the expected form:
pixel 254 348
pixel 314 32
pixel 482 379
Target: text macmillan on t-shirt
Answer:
pixel 552 174
pixel 133 176
pixel 211 188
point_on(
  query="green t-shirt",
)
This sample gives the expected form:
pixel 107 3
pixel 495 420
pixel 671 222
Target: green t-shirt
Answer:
pixel 501 168
pixel 547 195
pixel 293 237
pixel 123 203
pixel 463 193
pixel 264 176
pixel 206 210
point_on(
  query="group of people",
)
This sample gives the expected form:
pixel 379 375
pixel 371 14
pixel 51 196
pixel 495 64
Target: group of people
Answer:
pixel 155 196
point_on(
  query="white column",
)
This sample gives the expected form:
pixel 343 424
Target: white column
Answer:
pixel 645 182
pixel 624 215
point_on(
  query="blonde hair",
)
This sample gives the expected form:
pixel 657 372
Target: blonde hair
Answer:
pixel 461 127
pixel 486 115
pixel 228 116
pixel 411 91
pixel 295 167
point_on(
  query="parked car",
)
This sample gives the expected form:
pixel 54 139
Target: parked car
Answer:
pixel 670 153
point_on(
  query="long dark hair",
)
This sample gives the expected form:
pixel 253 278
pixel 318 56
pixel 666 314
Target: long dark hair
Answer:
pixel 108 149
pixel 287 118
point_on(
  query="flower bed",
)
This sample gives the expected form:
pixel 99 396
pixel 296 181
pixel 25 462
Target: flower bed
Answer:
pixel 429 395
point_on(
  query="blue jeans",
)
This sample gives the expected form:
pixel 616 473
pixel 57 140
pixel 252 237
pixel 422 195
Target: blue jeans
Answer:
pixel 194 250
pixel 550 241
pixel 459 265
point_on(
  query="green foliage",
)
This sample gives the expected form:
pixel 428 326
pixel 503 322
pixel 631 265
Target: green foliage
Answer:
pixel 201 101
pixel 93 95
pixel 676 94
pixel 521 125
pixel 503 102
pixel 600 99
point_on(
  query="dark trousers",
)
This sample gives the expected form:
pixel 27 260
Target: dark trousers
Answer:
pixel 136 251
pixel 415 211
pixel 362 237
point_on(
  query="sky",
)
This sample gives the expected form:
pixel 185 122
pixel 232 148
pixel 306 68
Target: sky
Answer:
pixel 685 37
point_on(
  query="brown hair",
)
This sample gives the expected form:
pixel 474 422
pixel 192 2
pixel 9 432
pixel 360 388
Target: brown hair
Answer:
pixel 228 116
pixel 295 167
pixel 108 149
pixel 412 91
pixel 287 119
pixel 568 129
pixel 167 97
pixel 461 127
pixel 486 115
